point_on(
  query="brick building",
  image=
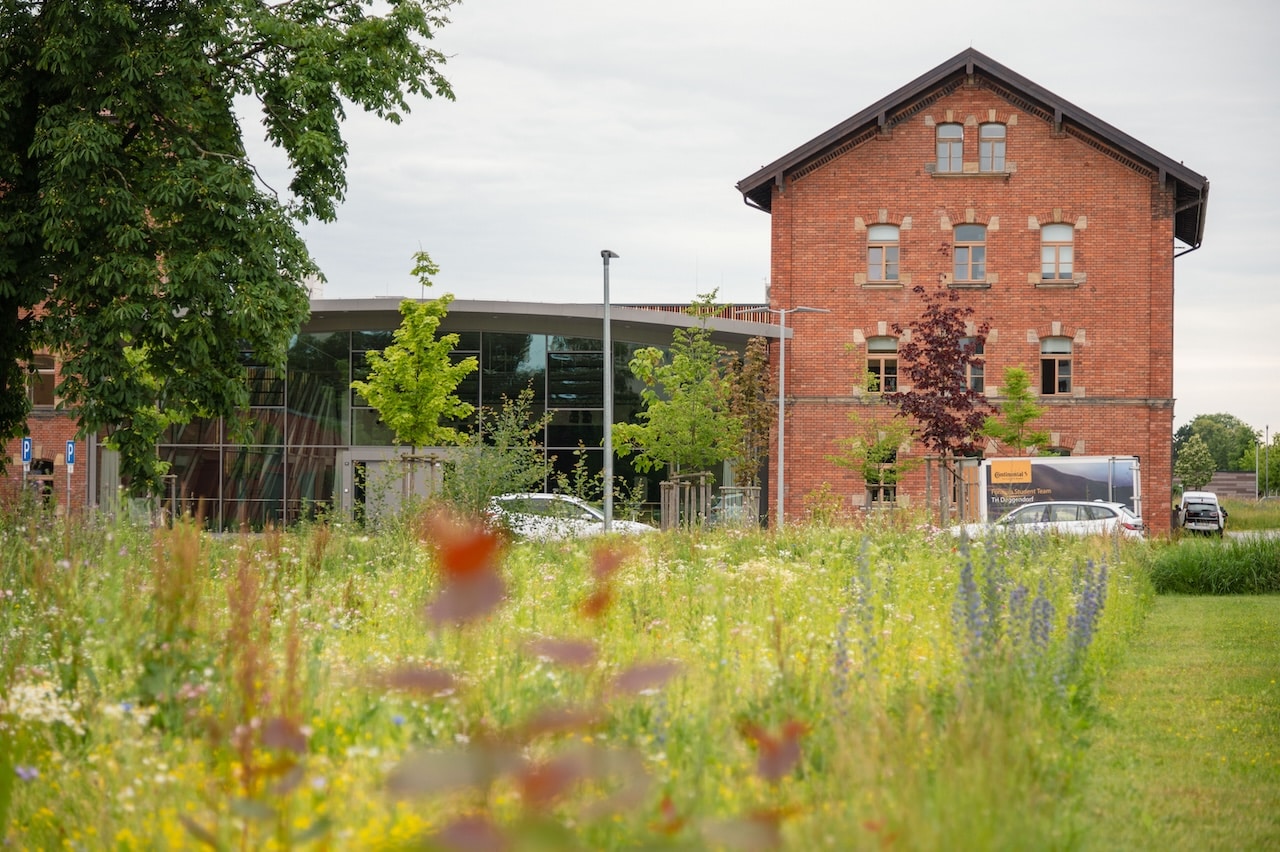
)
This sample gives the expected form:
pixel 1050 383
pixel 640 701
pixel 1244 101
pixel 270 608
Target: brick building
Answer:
pixel 1060 230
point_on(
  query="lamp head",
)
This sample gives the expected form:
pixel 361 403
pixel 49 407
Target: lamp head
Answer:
pixel 606 254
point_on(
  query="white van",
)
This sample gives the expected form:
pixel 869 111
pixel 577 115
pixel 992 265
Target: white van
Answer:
pixel 1201 512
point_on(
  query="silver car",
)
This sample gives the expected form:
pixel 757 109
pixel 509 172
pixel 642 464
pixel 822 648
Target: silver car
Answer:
pixel 1066 517
pixel 550 517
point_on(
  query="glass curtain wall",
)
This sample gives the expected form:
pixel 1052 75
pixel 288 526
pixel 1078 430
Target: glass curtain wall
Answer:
pixel 277 463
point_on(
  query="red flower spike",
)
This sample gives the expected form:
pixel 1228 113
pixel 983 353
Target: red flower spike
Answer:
pixel 644 676
pixel 462 548
pixel 558 720
pixel 779 754
pixel 566 652
pixel 670 822
pixel 425 680
pixel 473 833
pixel 467 598
pixel 597 603
pixel 542 783
pixel 878 826
pixel 606 559
pixel 467 557
pixel 283 734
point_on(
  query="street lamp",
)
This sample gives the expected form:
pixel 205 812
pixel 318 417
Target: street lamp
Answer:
pixel 782 393
pixel 605 254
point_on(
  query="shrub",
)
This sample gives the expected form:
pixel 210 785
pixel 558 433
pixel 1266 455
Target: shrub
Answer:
pixel 1218 567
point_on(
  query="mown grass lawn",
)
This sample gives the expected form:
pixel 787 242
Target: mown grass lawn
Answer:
pixel 1186 749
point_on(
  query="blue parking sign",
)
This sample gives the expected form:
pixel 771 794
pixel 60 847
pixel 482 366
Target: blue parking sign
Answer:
pixel 26 450
pixel 71 452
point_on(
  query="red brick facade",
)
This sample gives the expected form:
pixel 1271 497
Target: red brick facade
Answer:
pixel 880 167
pixel 49 431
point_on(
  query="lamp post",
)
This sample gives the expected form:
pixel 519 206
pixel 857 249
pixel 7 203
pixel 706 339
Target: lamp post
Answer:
pixel 782 395
pixel 605 254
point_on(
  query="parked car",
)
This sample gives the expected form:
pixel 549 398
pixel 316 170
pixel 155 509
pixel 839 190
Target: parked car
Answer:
pixel 1201 512
pixel 550 517
pixel 1065 517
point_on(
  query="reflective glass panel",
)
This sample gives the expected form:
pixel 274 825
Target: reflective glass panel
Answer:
pixel 575 379
pixel 511 363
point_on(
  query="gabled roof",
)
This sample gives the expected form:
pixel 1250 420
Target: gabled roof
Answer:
pixel 1191 190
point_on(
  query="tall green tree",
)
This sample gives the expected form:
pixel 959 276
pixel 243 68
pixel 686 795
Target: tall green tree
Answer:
pixel 1195 465
pixel 1227 438
pixel 1013 427
pixel 412 382
pixel 687 423
pixel 752 394
pixel 874 452
pixel 137 241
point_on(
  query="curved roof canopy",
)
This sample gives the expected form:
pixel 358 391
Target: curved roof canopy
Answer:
pixel 1191 190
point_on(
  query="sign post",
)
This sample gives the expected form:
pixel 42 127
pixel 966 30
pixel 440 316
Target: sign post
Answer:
pixel 71 466
pixel 26 460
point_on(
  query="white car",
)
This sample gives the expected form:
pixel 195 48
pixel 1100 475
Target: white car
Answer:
pixel 1066 517
pixel 1202 513
pixel 550 517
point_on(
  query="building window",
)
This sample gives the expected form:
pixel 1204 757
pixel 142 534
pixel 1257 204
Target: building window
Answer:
pixel 42 382
pixel 974 377
pixel 950 148
pixel 882 253
pixel 1056 252
pixel 1055 366
pixel 970 254
pixel 882 364
pixel 882 481
pixel 991 148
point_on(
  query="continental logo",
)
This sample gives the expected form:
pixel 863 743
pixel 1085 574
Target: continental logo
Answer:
pixel 1011 472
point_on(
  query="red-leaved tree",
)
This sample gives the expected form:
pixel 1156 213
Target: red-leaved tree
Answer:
pixel 935 364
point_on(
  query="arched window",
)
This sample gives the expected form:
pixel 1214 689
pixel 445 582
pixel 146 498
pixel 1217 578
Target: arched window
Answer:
pixel 1055 366
pixel 970 254
pixel 882 364
pixel 950 147
pixel 1056 252
pixel 882 253
pixel 991 148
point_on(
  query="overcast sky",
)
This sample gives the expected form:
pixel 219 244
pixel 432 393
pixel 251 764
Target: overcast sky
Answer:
pixel 582 125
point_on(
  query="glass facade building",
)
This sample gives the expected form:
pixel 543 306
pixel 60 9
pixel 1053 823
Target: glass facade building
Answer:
pixel 303 440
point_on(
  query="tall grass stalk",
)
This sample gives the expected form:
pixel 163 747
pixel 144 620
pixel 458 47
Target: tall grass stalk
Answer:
pixel 935 693
pixel 1230 566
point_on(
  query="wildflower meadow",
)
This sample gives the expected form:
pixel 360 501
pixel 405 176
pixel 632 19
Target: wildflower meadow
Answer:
pixel 434 685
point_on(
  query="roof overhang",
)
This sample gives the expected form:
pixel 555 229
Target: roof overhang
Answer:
pixel 651 325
